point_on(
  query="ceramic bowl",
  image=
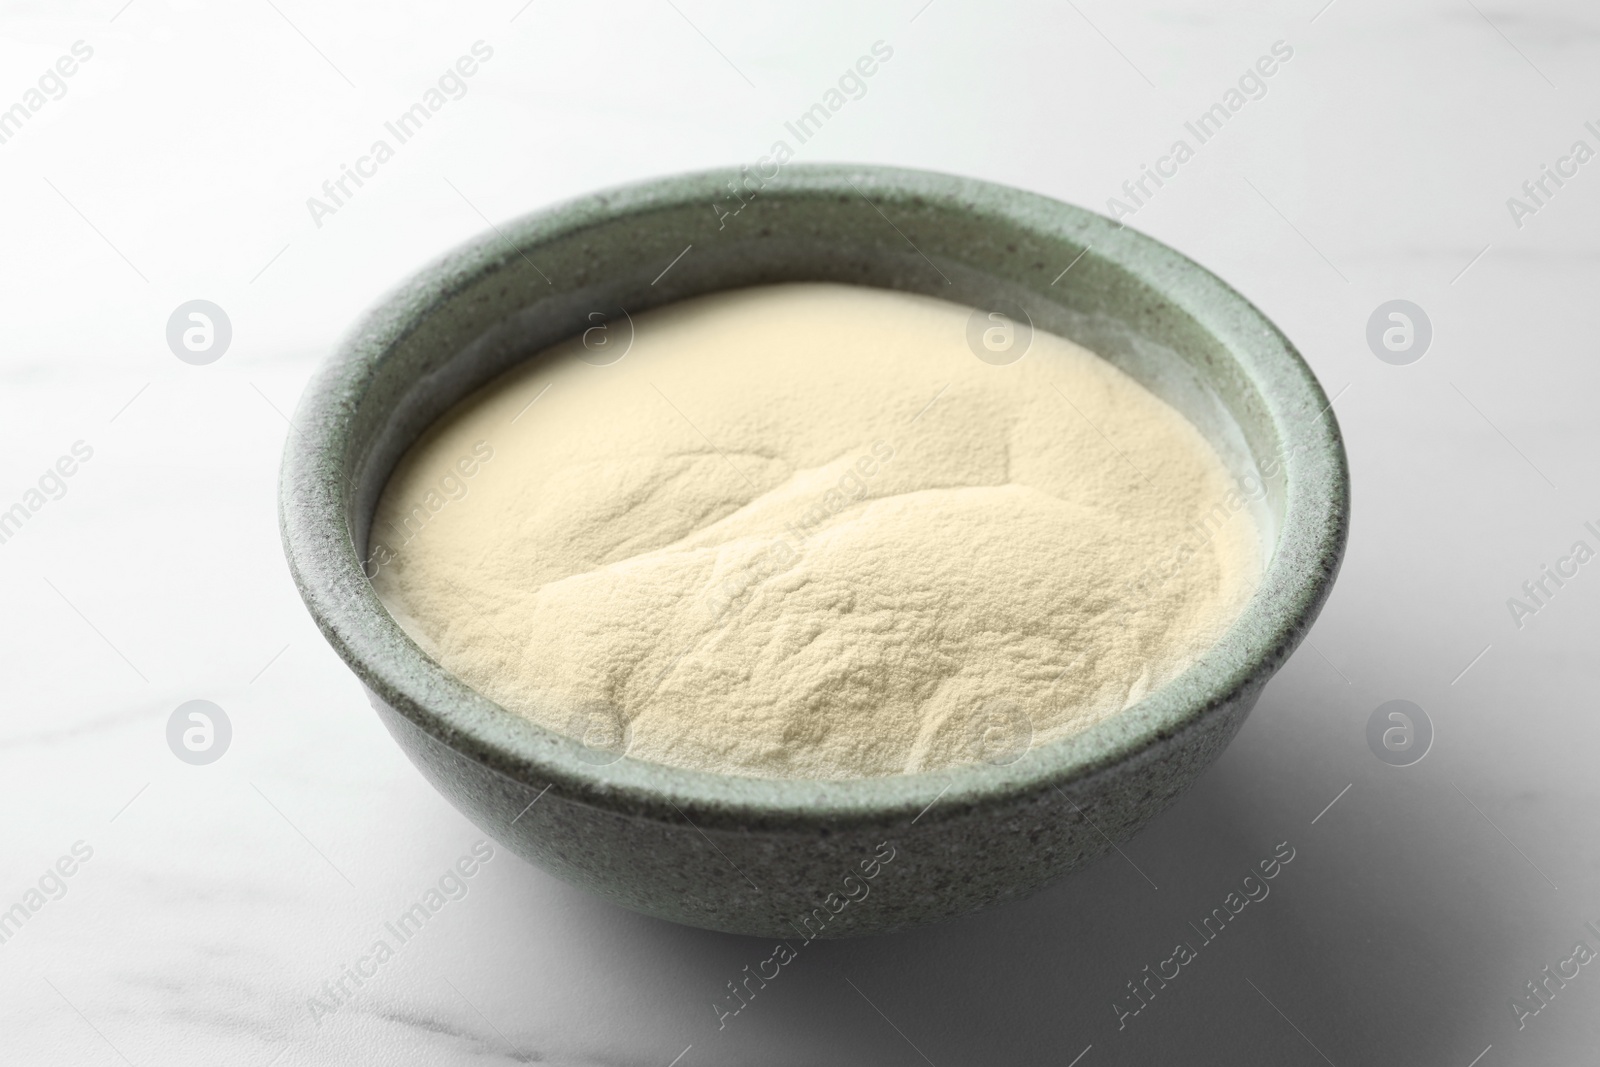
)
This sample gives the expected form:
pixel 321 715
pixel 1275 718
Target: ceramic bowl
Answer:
pixel 796 858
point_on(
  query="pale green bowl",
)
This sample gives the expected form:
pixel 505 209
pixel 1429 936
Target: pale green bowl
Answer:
pixel 788 858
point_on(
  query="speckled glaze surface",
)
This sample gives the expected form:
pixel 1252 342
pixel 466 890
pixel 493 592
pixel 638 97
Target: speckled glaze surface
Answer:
pixel 791 858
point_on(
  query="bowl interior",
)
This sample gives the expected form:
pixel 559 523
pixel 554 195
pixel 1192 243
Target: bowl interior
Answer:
pixel 512 313
pixel 502 298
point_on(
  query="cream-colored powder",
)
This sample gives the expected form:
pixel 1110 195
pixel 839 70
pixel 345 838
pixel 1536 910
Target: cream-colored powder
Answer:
pixel 801 531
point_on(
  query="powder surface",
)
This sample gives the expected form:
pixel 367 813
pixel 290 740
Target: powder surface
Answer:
pixel 802 531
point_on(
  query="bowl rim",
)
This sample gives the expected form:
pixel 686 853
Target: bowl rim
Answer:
pixel 316 495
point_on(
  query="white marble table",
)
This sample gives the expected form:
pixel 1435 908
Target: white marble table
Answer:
pixel 175 163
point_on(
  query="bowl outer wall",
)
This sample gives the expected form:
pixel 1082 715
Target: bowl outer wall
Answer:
pixel 1108 780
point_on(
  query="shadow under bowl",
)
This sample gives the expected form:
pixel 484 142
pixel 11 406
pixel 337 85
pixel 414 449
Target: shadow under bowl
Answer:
pixel 788 858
